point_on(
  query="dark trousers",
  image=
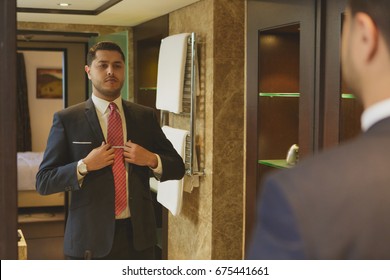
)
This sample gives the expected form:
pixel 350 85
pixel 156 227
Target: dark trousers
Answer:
pixel 123 246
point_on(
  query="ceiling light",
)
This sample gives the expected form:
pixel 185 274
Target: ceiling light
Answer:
pixel 63 4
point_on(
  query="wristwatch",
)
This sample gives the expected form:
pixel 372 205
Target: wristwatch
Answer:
pixel 82 168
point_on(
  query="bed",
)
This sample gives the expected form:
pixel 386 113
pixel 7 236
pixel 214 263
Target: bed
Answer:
pixel 28 164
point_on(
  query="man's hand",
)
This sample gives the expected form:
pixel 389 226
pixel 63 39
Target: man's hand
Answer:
pixel 138 155
pixel 100 157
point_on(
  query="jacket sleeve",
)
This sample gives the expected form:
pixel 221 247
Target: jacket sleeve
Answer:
pixel 57 173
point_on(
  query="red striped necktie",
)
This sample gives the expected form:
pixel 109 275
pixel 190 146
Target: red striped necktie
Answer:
pixel 115 138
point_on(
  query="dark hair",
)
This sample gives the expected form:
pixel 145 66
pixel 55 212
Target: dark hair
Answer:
pixel 378 10
pixel 103 46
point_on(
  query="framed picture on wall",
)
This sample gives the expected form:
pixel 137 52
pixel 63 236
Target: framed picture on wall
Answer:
pixel 49 83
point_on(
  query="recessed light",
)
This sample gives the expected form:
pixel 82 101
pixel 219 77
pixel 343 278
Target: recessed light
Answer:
pixel 63 4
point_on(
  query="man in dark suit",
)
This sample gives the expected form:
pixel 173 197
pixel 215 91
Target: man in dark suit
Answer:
pixel 336 205
pixel 80 158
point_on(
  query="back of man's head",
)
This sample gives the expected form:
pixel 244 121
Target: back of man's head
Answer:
pixel 378 10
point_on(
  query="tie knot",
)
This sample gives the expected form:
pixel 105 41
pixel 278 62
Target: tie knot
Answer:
pixel 113 107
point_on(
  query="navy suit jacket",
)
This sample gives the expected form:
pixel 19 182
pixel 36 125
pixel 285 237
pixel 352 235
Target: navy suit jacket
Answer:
pixel 333 206
pixel 91 220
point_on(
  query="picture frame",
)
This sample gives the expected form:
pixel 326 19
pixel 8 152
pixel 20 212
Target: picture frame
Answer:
pixel 49 83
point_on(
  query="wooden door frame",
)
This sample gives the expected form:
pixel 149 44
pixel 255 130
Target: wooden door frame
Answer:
pixel 332 79
pixel 8 170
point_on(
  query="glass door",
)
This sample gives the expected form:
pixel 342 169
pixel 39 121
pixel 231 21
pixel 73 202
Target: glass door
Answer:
pixel 281 89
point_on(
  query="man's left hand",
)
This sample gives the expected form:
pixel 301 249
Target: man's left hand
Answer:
pixel 136 154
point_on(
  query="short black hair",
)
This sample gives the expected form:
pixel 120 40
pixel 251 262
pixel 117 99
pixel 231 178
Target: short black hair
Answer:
pixel 103 46
pixel 378 10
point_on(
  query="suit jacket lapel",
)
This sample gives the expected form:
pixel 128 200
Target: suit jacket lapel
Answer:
pixel 130 122
pixel 90 113
pixel 131 131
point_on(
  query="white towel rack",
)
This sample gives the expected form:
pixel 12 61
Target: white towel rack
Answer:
pixel 190 91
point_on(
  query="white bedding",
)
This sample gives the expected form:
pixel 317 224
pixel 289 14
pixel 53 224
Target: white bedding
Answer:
pixel 28 164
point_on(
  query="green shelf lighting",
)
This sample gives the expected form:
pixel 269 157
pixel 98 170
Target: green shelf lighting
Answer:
pixel 276 163
pixel 279 94
pixel 348 96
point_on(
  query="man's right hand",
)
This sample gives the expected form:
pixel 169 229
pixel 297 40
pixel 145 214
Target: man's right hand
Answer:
pixel 99 157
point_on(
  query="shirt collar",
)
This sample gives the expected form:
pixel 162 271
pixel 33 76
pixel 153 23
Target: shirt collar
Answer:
pixel 375 113
pixel 102 105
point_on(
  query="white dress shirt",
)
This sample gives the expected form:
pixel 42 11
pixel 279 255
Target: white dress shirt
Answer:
pixel 102 111
pixel 375 113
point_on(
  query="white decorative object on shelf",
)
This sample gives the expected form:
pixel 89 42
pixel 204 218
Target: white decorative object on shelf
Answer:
pixel 293 155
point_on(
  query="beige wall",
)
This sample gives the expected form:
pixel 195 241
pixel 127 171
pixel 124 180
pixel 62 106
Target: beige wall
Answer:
pixel 41 109
pixel 211 223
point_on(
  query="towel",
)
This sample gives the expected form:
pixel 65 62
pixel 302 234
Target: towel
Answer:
pixel 170 193
pixel 176 137
pixel 170 73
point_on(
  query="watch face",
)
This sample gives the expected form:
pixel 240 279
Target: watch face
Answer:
pixel 83 168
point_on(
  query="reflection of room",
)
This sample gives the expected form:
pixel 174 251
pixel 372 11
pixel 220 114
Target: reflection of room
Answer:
pixel 40 218
pixel 147 59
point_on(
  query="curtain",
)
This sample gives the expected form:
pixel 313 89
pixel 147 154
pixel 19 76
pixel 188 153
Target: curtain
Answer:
pixel 23 113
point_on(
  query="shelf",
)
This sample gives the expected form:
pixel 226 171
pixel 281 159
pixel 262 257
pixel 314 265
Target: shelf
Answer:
pixel 276 163
pixel 291 94
pixel 279 94
pixel 147 88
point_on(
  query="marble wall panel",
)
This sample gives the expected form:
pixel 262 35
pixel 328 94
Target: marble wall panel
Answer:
pixel 211 224
pixel 228 151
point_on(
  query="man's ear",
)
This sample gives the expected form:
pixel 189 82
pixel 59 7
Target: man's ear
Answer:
pixel 368 35
pixel 87 69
